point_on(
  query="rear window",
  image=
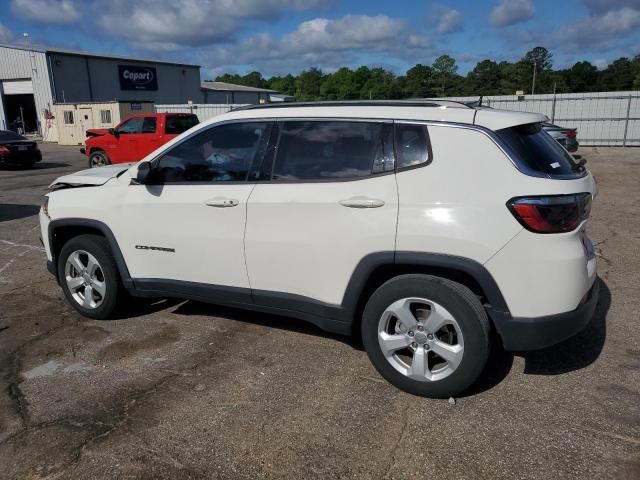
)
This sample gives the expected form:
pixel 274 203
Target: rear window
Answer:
pixel 8 135
pixel 538 151
pixel 179 124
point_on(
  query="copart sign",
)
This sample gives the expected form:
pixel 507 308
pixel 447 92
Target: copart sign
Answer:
pixel 137 78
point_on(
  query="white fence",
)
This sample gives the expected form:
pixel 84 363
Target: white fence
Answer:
pixel 203 111
pixel 602 119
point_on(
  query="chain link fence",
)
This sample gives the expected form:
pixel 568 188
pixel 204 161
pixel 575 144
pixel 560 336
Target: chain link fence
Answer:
pixel 602 119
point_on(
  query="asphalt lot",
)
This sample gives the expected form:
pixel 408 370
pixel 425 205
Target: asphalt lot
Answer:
pixel 188 390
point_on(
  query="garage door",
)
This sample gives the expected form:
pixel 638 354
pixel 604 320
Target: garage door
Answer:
pixel 16 87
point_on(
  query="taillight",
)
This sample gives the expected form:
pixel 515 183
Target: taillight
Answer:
pixel 3 149
pixel 551 213
pixel 569 133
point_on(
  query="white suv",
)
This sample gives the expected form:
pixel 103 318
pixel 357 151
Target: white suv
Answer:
pixel 422 227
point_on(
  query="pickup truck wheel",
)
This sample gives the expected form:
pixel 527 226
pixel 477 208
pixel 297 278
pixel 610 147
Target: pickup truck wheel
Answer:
pixel 426 335
pixel 89 276
pixel 99 159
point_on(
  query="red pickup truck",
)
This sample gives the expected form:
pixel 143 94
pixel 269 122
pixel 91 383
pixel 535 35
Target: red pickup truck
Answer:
pixel 135 137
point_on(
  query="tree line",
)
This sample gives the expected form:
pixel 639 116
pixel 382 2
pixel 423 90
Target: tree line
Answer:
pixel 442 79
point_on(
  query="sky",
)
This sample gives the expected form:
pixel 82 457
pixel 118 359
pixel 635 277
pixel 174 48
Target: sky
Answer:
pixel 277 37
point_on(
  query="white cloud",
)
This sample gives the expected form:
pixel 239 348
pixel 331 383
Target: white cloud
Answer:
pixel 447 20
pixel 49 11
pixel 327 43
pixel 593 34
pixel 600 63
pixel 166 26
pixel 509 12
pixel 599 32
pixel 5 34
pixel 350 31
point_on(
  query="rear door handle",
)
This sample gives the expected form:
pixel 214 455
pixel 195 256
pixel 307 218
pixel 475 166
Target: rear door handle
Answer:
pixel 361 202
pixel 222 202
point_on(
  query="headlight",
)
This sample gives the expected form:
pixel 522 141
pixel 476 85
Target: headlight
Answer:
pixel 45 207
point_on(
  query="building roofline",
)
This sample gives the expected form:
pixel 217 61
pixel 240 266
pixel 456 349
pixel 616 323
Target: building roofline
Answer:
pixel 79 53
pixel 232 87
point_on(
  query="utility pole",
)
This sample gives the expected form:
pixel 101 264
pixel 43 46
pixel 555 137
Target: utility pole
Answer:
pixel 533 84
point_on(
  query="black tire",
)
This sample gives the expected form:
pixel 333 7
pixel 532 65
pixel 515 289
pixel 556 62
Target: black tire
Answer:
pixel 114 291
pixel 463 305
pixel 99 158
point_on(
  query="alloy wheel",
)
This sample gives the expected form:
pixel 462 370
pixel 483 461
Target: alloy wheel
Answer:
pixel 85 279
pixel 420 339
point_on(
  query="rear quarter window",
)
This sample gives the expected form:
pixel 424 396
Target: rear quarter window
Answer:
pixel 178 124
pixel 539 152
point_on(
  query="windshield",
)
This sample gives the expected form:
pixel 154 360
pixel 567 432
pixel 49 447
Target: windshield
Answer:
pixel 539 152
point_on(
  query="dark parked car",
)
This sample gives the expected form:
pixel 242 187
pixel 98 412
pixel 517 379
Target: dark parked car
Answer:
pixel 18 151
pixel 567 137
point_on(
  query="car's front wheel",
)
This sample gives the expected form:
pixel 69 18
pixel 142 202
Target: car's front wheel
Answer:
pixel 426 335
pixel 89 276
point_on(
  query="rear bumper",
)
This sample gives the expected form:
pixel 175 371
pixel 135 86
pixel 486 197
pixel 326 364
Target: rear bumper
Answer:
pixel 523 334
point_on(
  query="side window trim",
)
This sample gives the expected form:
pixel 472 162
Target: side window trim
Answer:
pixel 429 161
pixel 263 169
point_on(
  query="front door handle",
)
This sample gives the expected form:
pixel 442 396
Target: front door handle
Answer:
pixel 222 202
pixel 361 202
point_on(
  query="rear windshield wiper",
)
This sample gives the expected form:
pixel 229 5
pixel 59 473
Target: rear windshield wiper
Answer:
pixel 579 163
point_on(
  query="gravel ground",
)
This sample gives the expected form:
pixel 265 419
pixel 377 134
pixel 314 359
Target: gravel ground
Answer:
pixel 188 390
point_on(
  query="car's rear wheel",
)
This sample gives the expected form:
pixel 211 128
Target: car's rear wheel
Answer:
pixel 89 276
pixel 426 335
pixel 99 159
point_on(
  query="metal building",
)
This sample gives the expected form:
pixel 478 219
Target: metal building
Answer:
pixel 25 88
pixel 229 93
pixel 33 79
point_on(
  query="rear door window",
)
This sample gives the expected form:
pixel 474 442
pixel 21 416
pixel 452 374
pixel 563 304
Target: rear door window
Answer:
pixel 178 124
pixel 330 150
pixel 538 151
pixel 149 125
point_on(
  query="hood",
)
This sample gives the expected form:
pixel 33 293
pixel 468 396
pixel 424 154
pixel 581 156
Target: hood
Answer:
pixel 91 177
pixel 97 132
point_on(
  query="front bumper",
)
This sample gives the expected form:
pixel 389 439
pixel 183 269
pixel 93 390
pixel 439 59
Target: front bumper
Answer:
pixel 523 334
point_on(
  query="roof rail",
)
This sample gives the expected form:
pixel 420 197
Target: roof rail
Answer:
pixel 361 103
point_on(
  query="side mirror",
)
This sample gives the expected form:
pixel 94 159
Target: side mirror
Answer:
pixel 143 173
pixel 114 132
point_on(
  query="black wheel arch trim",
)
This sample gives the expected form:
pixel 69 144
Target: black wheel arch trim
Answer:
pixel 54 225
pixel 496 306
